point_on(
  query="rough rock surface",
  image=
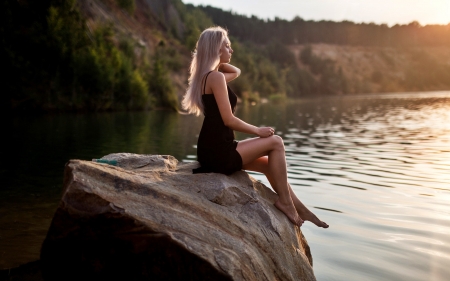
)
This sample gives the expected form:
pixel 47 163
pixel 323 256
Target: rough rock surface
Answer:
pixel 150 218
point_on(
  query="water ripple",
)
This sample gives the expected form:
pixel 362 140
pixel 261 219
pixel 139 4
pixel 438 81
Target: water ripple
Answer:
pixel 381 167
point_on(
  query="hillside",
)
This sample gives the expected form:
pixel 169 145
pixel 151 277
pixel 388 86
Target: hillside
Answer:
pixel 384 69
pixel 96 55
pixel 146 26
pixel 93 55
pixel 300 31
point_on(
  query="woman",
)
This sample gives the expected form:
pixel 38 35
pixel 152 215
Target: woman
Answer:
pixel 217 150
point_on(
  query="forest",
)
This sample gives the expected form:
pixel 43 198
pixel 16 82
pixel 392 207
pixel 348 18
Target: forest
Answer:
pixel 299 31
pixel 66 55
pixel 54 60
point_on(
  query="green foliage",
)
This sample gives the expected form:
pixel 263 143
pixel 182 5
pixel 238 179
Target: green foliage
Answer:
pixel 127 45
pixel 300 83
pixel 251 97
pixel 161 87
pixel 139 92
pixel 426 70
pixel 299 31
pixel 306 55
pixel 261 66
pixel 56 63
pixel 331 80
pixel 97 69
pixel 51 59
pixel 260 76
pixel 316 64
pixel 160 84
pixel 38 46
pixel 277 98
pixel 66 28
pixel 108 75
pixel 195 21
pixel 170 56
pixel 280 54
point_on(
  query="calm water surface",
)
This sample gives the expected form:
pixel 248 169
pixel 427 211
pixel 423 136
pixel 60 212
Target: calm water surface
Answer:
pixel 376 169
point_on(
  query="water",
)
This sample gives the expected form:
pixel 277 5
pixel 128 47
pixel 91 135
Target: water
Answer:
pixel 376 169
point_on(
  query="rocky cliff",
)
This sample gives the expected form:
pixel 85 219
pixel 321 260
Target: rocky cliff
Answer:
pixel 151 22
pixel 150 218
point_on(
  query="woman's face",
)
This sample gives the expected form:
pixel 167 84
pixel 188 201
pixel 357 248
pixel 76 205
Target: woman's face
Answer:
pixel 225 51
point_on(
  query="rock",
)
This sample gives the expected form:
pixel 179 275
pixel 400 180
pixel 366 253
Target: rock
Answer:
pixel 26 272
pixel 150 218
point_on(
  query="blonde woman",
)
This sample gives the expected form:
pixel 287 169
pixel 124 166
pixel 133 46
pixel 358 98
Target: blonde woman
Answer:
pixel 217 150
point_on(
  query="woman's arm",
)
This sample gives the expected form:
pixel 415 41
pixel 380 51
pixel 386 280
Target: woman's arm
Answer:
pixel 219 89
pixel 230 72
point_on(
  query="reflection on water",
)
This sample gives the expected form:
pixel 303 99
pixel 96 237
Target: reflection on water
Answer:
pixel 376 169
pixel 38 147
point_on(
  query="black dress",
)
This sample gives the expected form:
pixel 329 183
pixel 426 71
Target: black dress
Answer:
pixel 216 147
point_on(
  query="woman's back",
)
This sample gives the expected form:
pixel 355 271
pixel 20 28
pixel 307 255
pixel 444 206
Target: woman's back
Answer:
pixel 216 147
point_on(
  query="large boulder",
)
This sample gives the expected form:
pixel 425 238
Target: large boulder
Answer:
pixel 150 218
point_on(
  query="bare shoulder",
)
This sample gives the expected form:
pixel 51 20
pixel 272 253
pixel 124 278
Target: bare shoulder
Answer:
pixel 216 77
pixel 216 83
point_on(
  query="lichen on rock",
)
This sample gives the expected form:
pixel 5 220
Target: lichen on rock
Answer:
pixel 150 218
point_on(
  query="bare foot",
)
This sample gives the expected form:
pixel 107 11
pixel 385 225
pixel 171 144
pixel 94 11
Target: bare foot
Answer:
pixel 290 211
pixel 304 212
pixel 307 215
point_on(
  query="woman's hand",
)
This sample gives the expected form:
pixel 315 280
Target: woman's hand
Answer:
pixel 230 72
pixel 264 132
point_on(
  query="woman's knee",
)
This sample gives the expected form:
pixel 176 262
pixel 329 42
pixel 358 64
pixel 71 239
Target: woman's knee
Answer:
pixel 277 142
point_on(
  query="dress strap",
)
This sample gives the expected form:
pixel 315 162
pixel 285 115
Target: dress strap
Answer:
pixel 204 85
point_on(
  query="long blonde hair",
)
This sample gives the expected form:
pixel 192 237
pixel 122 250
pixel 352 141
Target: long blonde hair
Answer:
pixel 205 58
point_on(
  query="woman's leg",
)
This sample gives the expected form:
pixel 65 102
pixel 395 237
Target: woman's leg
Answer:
pixel 273 147
pixel 261 165
pixel 304 212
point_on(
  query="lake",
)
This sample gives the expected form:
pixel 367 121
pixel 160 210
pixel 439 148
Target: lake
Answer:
pixel 376 169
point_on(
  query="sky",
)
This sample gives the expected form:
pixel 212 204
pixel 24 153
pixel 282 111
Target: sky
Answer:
pixel 388 12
